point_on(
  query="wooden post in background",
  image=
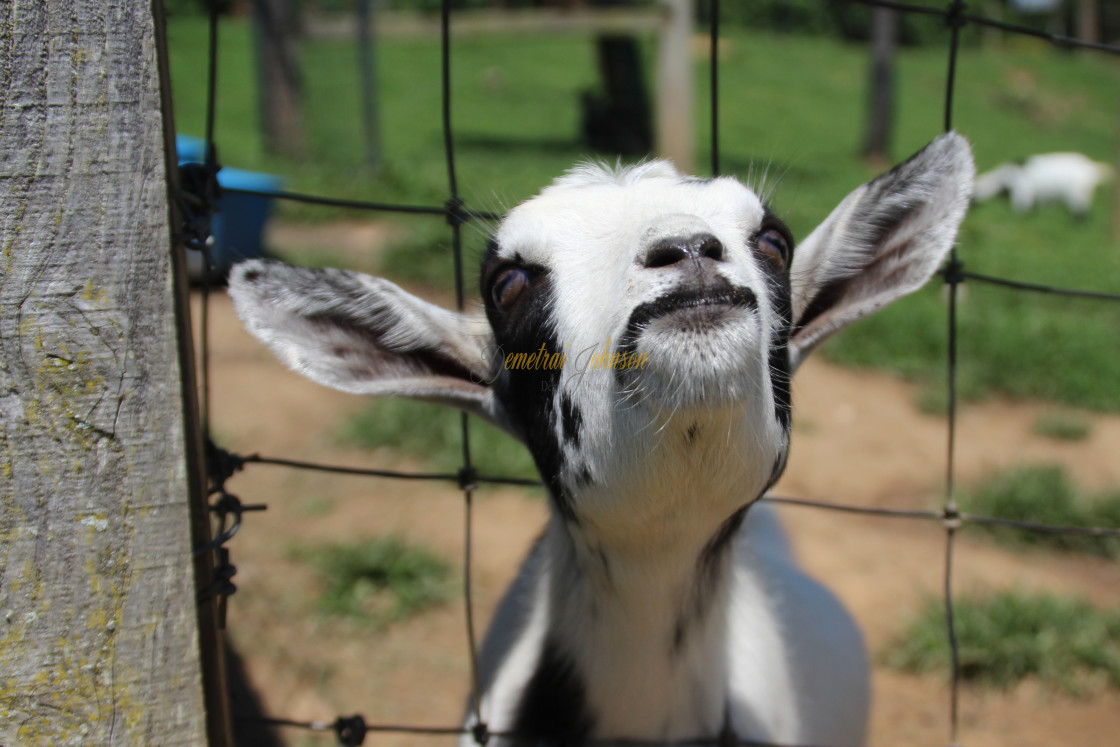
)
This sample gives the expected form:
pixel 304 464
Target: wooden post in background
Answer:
pixel 1115 186
pixel 674 126
pixel 276 30
pixel 99 634
pixel 369 81
pixel 880 85
pixel 1088 20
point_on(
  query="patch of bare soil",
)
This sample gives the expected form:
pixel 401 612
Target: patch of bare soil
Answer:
pixel 858 439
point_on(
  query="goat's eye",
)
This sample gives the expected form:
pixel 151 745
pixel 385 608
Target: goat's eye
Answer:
pixel 774 245
pixel 508 286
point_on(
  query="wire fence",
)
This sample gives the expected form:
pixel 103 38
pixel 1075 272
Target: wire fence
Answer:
pixel 198 199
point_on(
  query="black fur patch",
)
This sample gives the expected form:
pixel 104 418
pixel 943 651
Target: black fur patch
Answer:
pixel 777 470
pixel 553 708
pixel 713 551
pixel 709 568
pixel 571 419
pixel 562 499
pixel 679 631
pixel 778 289
pixel 604 565
pixel 779 370
pixel 528 393
pixel 583 476
pixel 825 299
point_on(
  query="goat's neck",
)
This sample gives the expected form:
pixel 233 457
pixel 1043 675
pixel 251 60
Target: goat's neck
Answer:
pixel 639 601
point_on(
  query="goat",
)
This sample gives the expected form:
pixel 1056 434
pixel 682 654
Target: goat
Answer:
pixel 658 319
pixel 1071 178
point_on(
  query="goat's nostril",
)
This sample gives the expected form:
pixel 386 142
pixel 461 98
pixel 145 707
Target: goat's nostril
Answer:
pixel 664 255
pixel 711 248
pixel 673 250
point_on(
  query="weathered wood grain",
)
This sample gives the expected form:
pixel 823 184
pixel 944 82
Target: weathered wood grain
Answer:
pixel 98 625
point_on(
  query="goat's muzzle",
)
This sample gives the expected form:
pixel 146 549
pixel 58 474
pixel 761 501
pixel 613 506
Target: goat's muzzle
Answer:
pixel 695 305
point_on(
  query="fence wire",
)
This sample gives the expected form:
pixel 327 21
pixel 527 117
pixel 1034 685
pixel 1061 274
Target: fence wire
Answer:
pixel 200 203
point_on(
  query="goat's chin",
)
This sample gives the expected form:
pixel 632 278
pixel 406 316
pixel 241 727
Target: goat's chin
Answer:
pixel 697 368
pixel 670 397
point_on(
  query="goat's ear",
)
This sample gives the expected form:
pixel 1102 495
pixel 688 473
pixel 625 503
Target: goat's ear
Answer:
pixel 365 335
pixel 883 241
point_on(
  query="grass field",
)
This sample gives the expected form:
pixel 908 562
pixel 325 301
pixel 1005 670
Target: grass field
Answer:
pixel 1008 636
pixel 1047 494
pixel 376 582
pixel 515 111
pixel 433 433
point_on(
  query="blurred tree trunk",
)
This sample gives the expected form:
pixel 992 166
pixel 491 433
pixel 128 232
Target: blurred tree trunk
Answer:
pixel 880 113
pixel 280 82
pixel 991 36
pixel 367 73
pixel 673 113
pixel 1116 191
pixel 1088 20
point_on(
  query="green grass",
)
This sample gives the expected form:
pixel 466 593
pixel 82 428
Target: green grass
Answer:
pixel 1045 494
pixel 424 255
pixel 376 582
pixel 432 433
pixel 1063 426
pixel 1066 643
pixel 315 505
pixel 516 115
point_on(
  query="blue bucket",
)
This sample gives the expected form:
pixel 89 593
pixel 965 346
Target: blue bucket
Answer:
pixel 238 225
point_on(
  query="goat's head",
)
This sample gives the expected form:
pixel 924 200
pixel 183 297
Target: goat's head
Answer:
pixel 630 312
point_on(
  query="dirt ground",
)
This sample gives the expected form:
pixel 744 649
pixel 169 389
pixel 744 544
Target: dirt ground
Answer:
pixel 858 439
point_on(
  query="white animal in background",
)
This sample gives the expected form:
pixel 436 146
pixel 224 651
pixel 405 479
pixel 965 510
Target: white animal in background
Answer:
pixel 641 330
pixel 1071 178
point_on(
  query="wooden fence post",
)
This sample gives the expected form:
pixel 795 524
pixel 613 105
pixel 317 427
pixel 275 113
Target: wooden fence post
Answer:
pixel 99 626
pixel 674 129
pixel 880 99
pixel 276 29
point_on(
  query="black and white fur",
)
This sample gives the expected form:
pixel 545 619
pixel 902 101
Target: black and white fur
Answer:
pixel 653 607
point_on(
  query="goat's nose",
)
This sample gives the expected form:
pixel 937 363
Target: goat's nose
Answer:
pixel 670 251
